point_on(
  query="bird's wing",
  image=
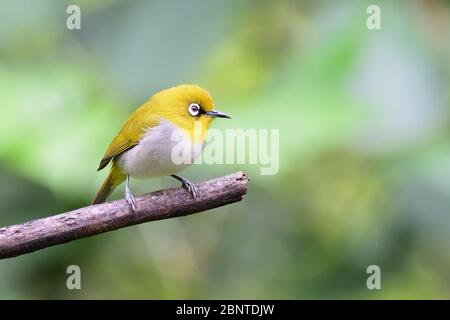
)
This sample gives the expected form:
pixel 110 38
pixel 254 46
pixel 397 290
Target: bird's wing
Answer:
pixel 130 135
pixel 117 146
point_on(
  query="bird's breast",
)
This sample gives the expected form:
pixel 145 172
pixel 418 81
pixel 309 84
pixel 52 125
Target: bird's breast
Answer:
pixel 153 156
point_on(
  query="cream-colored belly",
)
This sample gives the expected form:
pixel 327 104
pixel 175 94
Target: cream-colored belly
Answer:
pixel 153 156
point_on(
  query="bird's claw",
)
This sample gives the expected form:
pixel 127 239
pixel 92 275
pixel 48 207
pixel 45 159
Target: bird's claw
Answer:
pixel 189 186
pixel 131 201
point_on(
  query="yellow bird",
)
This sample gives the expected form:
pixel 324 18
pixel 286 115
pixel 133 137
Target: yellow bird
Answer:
pixel 143 147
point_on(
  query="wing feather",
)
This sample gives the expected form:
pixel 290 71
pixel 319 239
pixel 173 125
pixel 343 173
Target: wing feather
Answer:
pixel 115 149
pixel 131 133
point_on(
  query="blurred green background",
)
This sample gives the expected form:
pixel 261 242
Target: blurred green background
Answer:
pixel 364 157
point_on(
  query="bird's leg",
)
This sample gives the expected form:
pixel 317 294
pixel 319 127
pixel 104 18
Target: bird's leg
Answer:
pixel 128 196
pixel 189 186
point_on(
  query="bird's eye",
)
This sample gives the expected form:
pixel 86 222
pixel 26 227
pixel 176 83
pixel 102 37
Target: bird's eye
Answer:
pixel 194 109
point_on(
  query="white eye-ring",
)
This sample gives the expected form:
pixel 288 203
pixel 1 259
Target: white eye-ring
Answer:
pixel 194 109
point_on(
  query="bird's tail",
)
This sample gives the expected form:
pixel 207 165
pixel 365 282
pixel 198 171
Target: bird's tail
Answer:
pixel 114 178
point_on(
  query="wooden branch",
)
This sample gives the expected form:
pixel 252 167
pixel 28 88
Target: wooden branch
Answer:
pixel 84 222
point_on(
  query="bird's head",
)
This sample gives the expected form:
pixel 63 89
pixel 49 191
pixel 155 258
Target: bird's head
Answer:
pixel 188 107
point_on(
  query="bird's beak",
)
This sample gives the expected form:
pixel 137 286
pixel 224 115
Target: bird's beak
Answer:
pixel 217 114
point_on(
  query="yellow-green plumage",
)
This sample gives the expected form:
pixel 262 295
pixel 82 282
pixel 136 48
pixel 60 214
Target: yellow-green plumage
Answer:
pixel 168 107
pixel 114 178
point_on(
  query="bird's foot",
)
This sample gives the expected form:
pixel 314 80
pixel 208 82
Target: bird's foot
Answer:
pixel 128 196
pixel 131 201
pixel 189 186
